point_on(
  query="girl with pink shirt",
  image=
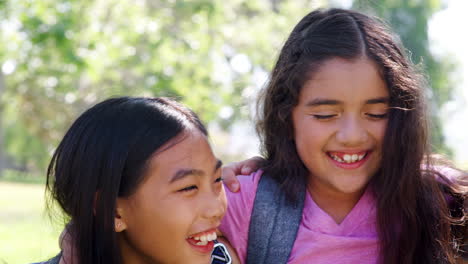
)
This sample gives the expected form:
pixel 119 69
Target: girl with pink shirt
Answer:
pixel 344 132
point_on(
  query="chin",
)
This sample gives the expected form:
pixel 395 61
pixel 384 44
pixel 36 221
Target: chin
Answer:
pixel 352 188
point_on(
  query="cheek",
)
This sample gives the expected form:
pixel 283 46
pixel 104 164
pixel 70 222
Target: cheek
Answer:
pixel 143 217
pixel 156 230
pixel 223 199
pixel 158 223
pixel 311 136
pixel 378 131
pixel 303 127
pixel 160 215
pixel 176 210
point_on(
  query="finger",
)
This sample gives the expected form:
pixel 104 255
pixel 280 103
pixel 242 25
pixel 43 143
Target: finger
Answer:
pixel 246 170
pixel 250 165
pixel 229 177
pixel 232 183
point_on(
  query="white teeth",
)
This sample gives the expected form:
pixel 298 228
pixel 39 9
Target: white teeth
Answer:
pixel 202 243
pixel 213 236
pixel 204 239
pixel 348 158
pixel 336 158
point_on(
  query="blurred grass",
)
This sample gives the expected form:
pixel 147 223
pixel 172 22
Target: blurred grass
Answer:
pixel 21 177
pixel 26 233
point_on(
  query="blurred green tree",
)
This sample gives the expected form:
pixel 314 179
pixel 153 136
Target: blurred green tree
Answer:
pixel 58 57
pixel 61 56
pixel 409 19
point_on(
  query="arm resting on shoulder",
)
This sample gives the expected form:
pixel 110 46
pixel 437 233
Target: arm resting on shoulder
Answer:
pixel 245 167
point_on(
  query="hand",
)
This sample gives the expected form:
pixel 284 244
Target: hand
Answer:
pixel 246 167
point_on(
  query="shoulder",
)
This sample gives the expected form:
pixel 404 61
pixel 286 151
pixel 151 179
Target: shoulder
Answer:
pixel 451 174
pixel 241 202
pixel 235 224
pixel 447 176
pixel 443 170
pixel 248 189
pixel 452 182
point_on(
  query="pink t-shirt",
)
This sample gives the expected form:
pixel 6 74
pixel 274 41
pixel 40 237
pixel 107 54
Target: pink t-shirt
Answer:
pixel 320 239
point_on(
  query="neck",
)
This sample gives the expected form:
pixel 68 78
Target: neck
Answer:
pixel 334 203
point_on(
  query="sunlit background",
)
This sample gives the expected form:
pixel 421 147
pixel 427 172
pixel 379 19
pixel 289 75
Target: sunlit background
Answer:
pixel 448 40
pixel 59 57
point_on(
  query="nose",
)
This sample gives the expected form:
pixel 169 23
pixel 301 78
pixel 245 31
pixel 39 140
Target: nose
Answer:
pixel 214 205
pixel 351 132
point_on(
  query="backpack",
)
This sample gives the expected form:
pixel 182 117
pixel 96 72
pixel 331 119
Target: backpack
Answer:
pixel 274 223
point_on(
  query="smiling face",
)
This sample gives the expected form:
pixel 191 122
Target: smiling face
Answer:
pixel 339 125
pixel 173 215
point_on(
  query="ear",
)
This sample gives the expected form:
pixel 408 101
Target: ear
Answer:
pixel 119 221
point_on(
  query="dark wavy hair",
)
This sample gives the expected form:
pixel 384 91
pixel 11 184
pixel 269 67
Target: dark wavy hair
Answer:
pixel 104 156
pixel 413 219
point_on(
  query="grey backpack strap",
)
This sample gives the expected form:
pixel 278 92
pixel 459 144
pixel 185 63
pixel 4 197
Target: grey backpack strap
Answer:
pixel 273 224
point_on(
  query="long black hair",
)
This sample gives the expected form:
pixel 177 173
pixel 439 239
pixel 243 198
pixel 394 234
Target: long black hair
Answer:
pixel 103 156
pixel 413 221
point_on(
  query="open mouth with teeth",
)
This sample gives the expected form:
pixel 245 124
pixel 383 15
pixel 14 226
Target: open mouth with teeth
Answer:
pixel 203 241
pixel 346 159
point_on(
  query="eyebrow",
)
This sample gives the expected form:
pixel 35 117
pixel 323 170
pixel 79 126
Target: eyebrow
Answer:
pixel 182 173
pixel 320 101
pixel 379 100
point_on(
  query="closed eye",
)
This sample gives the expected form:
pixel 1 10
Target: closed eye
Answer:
pixel 188 188
pixel 376 116
pixel 323 117
pixel 220 179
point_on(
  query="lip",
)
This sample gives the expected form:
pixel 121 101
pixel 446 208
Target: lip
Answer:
pixel 206 232
pixel 350 166
pixel 204 249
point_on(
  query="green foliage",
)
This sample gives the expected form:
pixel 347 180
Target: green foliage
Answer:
pixel 65 56
pixel 409 19
pixel 70 54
